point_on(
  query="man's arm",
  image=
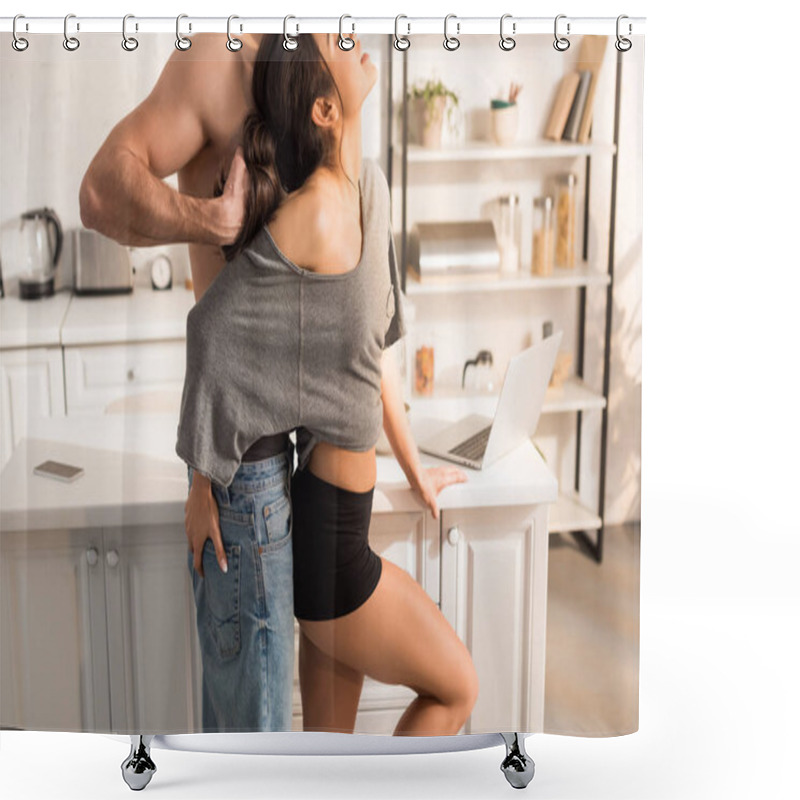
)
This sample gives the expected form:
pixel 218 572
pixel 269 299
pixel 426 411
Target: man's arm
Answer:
pixel 123 194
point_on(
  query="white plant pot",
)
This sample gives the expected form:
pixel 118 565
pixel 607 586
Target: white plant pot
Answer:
pixel 505 122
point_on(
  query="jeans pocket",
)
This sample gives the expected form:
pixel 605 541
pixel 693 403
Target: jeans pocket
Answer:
pixel 277 516
pixel 222 598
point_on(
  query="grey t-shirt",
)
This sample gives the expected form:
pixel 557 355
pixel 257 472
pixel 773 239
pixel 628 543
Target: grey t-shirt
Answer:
pixel 271 346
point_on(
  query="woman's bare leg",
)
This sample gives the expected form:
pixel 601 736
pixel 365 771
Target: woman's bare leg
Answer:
pixel 330 690
pixel 399 636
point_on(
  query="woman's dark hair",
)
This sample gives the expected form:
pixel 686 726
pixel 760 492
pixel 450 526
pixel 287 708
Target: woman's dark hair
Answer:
pixel 281 144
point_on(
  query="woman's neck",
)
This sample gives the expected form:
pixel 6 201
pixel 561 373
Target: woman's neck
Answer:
pixel 351 148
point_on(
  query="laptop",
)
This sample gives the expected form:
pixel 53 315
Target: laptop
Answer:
pixel 477 441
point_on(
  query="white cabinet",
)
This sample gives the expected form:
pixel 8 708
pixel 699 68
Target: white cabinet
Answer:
pixel 31 385
pixel 153 663
pixel 54 668
pixel 97 631
pixel 100 378
pixel 494 593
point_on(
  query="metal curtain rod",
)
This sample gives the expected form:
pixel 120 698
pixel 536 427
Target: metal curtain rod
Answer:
pixel 406 26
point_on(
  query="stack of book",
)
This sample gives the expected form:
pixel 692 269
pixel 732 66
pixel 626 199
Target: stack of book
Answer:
pixel 571 115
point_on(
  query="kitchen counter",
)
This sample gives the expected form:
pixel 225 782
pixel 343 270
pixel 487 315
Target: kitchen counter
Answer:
pixel 67 319
pixel 32 323
pixel 143 315
pixel 133 476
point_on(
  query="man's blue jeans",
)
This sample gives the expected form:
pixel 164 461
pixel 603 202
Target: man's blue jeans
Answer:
pixel 245 617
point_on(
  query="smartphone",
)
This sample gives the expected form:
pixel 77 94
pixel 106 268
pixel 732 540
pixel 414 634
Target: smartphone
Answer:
pixel 57 470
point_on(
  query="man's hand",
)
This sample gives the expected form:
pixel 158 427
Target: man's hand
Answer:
pixel 233 199
pixel 202 522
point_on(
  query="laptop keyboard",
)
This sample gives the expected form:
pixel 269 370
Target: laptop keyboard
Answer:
pixel 474 447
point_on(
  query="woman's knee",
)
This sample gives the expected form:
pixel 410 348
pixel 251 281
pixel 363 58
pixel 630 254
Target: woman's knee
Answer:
pixel 466 688
pixel 461 692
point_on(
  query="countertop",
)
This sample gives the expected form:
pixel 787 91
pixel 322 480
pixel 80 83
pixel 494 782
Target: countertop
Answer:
pixel 143 315
pixel 32 323
pixel 66 319
pixel 133 476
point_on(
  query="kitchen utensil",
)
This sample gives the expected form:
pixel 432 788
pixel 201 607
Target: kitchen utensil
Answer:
pixel 482 378
pixel 444 249
pixel 101 265
pixel 32 248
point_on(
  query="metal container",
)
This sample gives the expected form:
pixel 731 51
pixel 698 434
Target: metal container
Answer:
pixel 101 265
pixel 441 249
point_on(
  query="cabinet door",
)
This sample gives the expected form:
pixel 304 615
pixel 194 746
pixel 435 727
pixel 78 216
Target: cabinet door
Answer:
pixel 54 668
pixel 140 377
pixel 494 593
pixel 152 651
pixel 31 385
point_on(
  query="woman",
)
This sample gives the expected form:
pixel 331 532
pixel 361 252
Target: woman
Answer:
pixel 318 249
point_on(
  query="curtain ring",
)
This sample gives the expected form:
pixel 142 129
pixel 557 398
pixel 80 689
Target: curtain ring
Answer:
pixel 451 42
pixel 233 44
pixel 182 42
pixel 70 43
pixel 18 43
pixel 129 43
pixel 561 44
pixel 623 44
pixel 506 42
pixel 289 42
pixel 401 42
pixel 351 42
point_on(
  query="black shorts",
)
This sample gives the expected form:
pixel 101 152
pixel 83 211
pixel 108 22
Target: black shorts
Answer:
pixel 335 571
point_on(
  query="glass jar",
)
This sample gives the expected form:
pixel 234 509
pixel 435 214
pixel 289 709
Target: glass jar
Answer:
pixel 542 250
pixel 565 219
pixel 508 229
pixel 423 363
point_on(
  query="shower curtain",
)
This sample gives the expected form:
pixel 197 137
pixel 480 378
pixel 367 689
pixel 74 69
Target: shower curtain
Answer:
pixel 511 181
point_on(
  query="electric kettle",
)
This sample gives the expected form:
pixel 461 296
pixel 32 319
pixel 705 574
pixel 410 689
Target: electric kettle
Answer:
pixel 34 243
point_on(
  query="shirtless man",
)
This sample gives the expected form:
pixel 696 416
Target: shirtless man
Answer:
pixel 190 123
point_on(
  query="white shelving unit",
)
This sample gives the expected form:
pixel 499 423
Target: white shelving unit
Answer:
pixel 486 151
pixel 569 514
pixel 560 279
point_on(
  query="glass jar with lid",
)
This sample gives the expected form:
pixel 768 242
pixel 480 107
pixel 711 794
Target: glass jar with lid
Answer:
pixel 566 219
pixel 423 360
pixel 542 252
pixel 508 230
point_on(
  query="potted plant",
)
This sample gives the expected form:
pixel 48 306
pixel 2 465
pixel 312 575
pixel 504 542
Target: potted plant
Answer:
pixel 505 119
pixel 430 102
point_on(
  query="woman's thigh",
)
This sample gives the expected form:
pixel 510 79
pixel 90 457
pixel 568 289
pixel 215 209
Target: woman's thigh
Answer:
pixel 399 636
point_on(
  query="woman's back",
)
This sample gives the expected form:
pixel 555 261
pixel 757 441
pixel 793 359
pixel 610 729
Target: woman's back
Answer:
pixel 272 346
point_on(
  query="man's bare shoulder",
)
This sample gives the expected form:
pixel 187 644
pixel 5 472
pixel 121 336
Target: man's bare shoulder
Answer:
pixel 206 66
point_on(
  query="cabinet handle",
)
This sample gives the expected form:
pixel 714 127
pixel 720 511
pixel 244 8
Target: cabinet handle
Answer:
pixel 112 558
pixel 91 556
pixel 453 535
pixel 131 376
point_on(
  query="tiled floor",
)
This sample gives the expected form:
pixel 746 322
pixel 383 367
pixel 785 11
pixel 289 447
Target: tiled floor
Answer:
pixel 592 668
